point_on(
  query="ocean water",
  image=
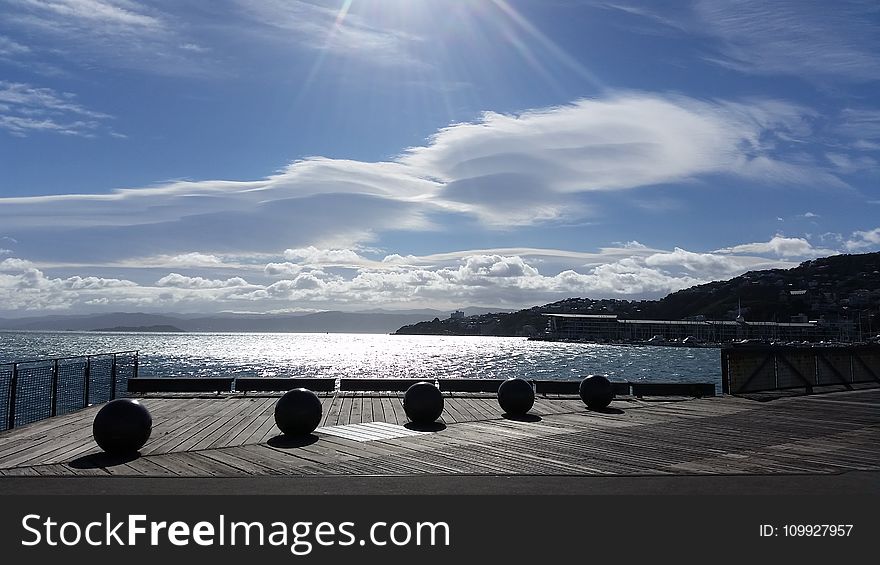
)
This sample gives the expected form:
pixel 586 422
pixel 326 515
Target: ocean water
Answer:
pixel 371 355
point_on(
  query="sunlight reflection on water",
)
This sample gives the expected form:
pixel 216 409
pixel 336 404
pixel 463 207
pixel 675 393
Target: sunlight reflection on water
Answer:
pixel 371 355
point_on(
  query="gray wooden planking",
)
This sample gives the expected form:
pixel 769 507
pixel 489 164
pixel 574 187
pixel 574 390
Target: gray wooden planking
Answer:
pixel 235 435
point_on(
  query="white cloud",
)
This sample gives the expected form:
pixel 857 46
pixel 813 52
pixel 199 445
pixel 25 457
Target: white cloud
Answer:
pixel 116 13
pixel 502 171
pixel 192 259
pixel 94 283
pixel 26 109
pixel 861 240
pixel 801 37
pixel 522 169
pixel 313 256
pixel 447 280
pixel 177 280
pixel 14 264
pixel 811 39
pixel 24 287
pixel 282 269
pixel 703 263
pixel 397 259
pixel 781 246
pixel 120 33
pixel 10 48
pixel 195 48
pixel 847 164
pixel 329 29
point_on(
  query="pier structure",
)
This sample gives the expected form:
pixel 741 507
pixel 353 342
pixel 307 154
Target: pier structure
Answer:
pixel 830 437
pixel 611 328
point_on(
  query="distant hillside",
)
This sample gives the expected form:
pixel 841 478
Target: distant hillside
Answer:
pixel 159 329
pixel 343 322
pixel 840 287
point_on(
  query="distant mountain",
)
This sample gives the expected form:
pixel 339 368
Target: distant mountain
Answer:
pixel 428 313
pixel 160 329
pixel 337 322
pixel 86 322
pixel 836 288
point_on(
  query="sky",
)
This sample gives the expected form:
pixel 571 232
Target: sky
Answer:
pixel 294 156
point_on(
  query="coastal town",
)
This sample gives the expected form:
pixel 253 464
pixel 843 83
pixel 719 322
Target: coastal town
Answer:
pixel 832 299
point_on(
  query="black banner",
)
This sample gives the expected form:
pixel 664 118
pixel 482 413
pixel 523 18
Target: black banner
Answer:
pixel 514 528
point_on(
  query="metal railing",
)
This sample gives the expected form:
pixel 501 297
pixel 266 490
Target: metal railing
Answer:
pixel 34 390
pixel 756 368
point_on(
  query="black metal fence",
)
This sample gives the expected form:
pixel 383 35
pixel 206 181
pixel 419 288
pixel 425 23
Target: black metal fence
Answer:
pixel 754 368
pixel 33 390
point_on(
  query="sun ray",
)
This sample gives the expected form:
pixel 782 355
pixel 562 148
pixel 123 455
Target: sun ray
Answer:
pixel 322 53
pixel 343 11
pixel 548 44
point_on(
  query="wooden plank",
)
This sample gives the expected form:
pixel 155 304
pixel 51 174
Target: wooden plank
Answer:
pixel 367 408
pixel 357 403
pixel 388 411
pixel 215 425
pixel 345 410
pixel 244 465
pixel 332 415
pixel 258 410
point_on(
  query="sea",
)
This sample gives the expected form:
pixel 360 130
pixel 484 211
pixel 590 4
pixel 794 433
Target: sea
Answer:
pixel 371 355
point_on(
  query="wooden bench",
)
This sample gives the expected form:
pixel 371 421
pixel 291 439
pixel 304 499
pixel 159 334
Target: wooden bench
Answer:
pixel 180 384
pixel 469 385
pixel 574 387
pixel 272 384
pixel 377 385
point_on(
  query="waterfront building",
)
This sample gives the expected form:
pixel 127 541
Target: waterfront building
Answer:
pixel 607 328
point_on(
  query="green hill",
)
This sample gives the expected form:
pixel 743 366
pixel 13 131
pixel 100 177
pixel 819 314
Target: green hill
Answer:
pixel 834 288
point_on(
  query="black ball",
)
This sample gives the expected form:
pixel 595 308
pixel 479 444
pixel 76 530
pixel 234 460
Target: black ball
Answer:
pixel 298 412
pixel 596 392
pixel 122 426
pixel 516 396
pixel 423 403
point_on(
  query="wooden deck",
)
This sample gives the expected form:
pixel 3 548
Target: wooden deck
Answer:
pixel 365 434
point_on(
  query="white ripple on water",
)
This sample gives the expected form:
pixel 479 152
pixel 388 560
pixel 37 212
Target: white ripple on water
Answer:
pixel 371 355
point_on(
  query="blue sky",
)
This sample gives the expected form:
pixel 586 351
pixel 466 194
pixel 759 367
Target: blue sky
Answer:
pixel 270 156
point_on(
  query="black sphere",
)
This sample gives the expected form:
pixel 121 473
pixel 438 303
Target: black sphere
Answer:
pixel 596 392
pixel 516 396
pixel 298 412
pixel 122 426
pixel 423 403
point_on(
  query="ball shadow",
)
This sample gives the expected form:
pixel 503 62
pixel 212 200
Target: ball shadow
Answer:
pixel 102 460
pixel 429 427
pixel 522 417
pixel 607 410
pixel 291 442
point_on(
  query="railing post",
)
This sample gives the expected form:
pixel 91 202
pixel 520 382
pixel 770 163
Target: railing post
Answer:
pixel 725 372
pixel 13 385
pixel 53 397
pixel 87 377
pixel 113 377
